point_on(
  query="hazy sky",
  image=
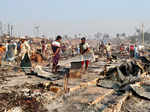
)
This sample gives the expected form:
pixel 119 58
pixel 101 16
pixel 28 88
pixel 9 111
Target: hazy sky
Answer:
pixel 74 16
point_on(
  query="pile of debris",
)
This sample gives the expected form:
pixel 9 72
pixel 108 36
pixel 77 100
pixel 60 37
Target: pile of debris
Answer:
pixel 118 77
pixel 131 80
pixel 12 100
pixel 27 97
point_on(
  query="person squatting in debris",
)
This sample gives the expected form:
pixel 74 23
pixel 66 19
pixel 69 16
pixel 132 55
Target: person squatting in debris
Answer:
pixel 56 46
pixel 108 52
pixel 84 50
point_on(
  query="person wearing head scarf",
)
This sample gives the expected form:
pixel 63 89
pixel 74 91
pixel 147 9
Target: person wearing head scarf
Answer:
pixel 25 48
pixel 24 54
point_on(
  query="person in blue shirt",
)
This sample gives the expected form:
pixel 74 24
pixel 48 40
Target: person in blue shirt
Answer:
pixel 136 51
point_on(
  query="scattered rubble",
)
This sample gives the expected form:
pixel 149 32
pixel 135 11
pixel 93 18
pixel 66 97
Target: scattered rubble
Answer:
pixel 104 87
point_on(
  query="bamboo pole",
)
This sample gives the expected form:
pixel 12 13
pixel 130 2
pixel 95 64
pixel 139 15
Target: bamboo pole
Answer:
pixel 100 98
pixel 116 107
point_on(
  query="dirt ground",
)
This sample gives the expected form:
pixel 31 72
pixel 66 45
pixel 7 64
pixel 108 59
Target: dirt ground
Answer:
pixel 45 92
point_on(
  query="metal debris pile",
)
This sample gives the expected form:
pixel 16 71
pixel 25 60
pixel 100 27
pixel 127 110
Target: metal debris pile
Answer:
pixel 118 77
pixel 131 80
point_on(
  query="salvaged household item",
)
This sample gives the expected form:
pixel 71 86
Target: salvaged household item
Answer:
pixel 76 65
pixel 121 76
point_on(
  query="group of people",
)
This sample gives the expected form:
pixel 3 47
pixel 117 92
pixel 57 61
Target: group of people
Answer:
pixel 106 50
pixel 136 51
pixel 13 51
pixel 22 49
pixel 84 51
pixel 133 50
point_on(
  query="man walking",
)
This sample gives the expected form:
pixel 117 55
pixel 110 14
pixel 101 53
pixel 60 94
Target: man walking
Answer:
pixel 56 46
pixel 108 52
pixel 84 49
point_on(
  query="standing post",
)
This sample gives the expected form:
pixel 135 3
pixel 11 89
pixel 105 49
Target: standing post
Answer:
pixel 1 28
pixel 105 70
pixel 66 79
pixel 37 28
pixel 8 30
pixel 143 33
pixel 11 31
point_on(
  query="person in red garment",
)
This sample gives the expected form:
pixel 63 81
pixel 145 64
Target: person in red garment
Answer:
pixel 56 46
pixel 131 51
pixel 84 50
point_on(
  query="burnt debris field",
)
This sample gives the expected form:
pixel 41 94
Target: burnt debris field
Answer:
pixel 122 86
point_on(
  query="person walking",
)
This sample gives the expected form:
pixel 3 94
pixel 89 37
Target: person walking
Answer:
pixel 56 47
pixel 108 52
pixel 136 52
pixel 84 50
pixel 25 55
pixel 10 54
pixel 132 51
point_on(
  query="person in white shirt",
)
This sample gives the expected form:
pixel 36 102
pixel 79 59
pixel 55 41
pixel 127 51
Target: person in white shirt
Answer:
pixel 56 46
pixel 84 49
pixel 108 51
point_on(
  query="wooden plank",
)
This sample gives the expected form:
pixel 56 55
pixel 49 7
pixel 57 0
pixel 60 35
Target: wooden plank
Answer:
pixel 140 66
pixel 117 106
pixel 100 98
pixel 83 85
